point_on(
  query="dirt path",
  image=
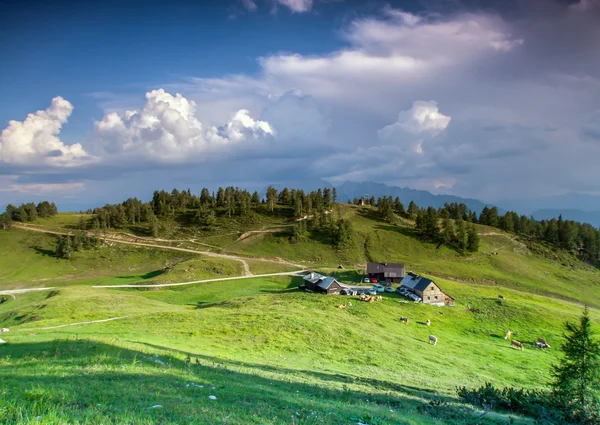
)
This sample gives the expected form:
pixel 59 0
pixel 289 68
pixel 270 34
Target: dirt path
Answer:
pixel 74 324
pixel 252 232
pixel 523 247
pixel 242 260
pixel 220 279
pixel 22 291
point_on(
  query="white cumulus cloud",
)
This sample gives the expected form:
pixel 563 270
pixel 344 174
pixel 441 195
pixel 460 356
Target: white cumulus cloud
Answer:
pixel 424 118
pixel 35 140
pixel 166 129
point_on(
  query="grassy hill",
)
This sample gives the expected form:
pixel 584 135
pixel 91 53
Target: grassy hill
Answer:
pixel 269 353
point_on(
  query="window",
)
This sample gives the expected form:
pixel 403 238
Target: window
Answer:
pixel 428 298
pixel 435 297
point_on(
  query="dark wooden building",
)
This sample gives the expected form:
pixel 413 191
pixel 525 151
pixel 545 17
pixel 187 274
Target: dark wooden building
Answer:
pixel 390 272
pixel 318 283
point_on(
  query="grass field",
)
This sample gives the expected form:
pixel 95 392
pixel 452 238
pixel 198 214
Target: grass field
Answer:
pixel 269 353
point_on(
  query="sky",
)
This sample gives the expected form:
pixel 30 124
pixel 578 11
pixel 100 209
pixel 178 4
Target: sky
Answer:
pixel 495 100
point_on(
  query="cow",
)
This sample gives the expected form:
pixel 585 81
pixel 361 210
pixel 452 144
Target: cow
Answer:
pixel 517 344
pixel 4 330
pixel 379 298
pixel 341 306
pixel 428 322
pixel 541 345
pixel 404 320
pixel 433 339
pixel 349 304
pixel 508 335
pixel 500 297
pixel 543 342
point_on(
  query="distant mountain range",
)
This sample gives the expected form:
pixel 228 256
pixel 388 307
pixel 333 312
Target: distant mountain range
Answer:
pixel 423 198
pixel 572 206
pixel 541 208
pixel 591 217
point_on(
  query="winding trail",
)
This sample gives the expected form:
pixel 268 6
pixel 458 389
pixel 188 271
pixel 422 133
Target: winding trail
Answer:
pixel 220 279
pixel 22 291
pixel 242 260
pixel 74 324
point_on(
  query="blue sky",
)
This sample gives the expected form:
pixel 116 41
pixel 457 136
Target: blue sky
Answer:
pixel 493 100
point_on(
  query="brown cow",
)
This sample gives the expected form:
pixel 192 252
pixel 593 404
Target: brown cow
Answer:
pixel 404 320
pixel 517 344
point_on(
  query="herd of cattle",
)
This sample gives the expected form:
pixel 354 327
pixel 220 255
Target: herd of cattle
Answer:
pixel 539 344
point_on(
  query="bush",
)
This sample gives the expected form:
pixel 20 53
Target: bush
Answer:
pixel 534 403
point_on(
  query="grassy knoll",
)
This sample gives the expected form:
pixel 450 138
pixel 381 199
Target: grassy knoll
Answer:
pixel 27 260
pixel 269 351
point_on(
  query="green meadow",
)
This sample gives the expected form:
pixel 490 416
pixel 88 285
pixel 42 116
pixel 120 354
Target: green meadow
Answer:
pixel 267 352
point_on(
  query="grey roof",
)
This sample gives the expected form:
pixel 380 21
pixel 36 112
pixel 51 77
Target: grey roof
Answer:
pixel 323 282
pixel 313 277
pixel 417 282
pixel 326 283
pixel 384 267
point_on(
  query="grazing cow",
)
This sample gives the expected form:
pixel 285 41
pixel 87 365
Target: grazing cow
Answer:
pixel 500 297
pixel 428 322
pixel 541 345
pixel 508 335
pixel 349 304
pixel 543 342
pixel 379 298
pixel 517 344
pixel 433 339
pixel 404 320
pixel 341 306
pixel 4 330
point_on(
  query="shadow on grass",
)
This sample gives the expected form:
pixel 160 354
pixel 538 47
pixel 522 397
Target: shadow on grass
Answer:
pixel 149 275
pixel 44 252
pixel 132 386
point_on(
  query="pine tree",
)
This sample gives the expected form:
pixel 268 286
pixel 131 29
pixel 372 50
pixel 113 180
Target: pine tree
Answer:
pixel 154 226
pixel 5 221
pixel 461 235
pixel 472 239
pixel 271 198
pixel 448 229
pixel 343 234
pixel 63 247
pixel 577 377
pixel 398 206
pixel 335 195
pixel 413 210
pixel 387 213
pixel 255 199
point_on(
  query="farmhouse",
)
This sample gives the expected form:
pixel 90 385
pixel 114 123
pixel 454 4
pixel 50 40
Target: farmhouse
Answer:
pixel 426 289
pixel 390 272
pixel 318 283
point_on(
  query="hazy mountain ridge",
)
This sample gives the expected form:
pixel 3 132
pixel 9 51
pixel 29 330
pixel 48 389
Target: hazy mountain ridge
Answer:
pixel 423 198
pixel 591 217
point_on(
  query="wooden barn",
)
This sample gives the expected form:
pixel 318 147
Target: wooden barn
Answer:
pixel 427 290
pixel 318 283
pixel 390 272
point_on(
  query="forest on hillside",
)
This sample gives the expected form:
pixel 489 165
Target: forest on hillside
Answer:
pixel 452 224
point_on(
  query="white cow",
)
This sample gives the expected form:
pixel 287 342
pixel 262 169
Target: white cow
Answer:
pixel 433 339
pixel 4 330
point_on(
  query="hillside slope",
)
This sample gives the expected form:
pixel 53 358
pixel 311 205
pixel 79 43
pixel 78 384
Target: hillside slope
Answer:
pixel 268 352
